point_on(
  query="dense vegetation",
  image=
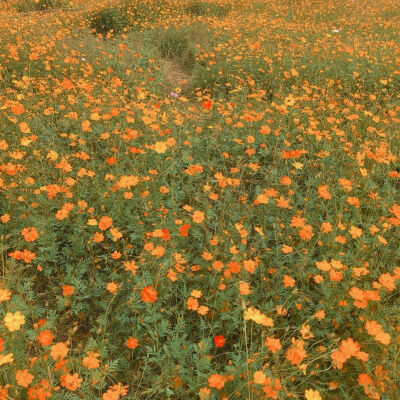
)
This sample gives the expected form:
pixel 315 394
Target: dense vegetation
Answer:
pixel 199 200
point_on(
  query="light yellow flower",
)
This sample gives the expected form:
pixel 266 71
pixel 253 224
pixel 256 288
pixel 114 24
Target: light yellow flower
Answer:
pixel 14 321
pixel 5 359
pixel 160 147
pixel 312 395
pixel 5 295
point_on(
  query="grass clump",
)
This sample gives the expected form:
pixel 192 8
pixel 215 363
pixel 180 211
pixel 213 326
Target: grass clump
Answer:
pixel 40 5
pixel 175 44
pixel 200 8
pixel 111 20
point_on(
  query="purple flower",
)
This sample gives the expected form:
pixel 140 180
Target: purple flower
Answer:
pixel 174 94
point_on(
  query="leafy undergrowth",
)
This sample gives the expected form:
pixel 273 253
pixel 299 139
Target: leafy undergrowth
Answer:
pixel 233 238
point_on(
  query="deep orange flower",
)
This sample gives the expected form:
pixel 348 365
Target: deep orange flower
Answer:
pixel 17 109
pixel 149 295
pixel 45 338
pixel 132 343
pixel 219 341
pixel 207 104
pixel 184 230
pixel 67 290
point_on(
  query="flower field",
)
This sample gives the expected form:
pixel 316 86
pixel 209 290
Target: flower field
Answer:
pixel 199 199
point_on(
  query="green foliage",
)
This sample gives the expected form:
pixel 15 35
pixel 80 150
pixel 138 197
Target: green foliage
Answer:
pixel 202 8
pixel 176 44
pixel 39 5
pixel 109 20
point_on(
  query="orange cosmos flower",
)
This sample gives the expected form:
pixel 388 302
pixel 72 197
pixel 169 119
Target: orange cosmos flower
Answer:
pixel 23 377
pixel 320 314
pixel 98 237
pixel 265 130
pixel 91 361
pixel 216 381
pixel 323 192
pixel 192 304
pixel 286 249
pixel 149 295
pixel 104 223
pixel 5 218
pixel 131 343
pixel 67 290
pixel 45 338
pixel 24 127
pixel 39 391
pixel 353 201
pixel 25 255
pixel 30 234
pixel 111 395
pixel 207 104
pixel 326 227
pixel 364 380
pixel 17 109
pixel 273 344
pixel 71 382
pixel 184 230
pixel 111 160
pixel 288 281
pixel 218 265
pixel 286 180
pixel 219 341
pixel 58 351
pixel 198 217
pixel 296 353
pixel 244 288
pixel 112 287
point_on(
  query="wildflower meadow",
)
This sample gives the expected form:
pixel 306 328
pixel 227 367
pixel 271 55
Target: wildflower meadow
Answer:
pixel 199 199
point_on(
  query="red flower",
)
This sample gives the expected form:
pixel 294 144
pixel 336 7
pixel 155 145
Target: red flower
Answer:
pixel 207 104
pixel 184 229
pixel 219 340
pixel 67 290
pixel 149 295
pixel 132 343
pixel 111 160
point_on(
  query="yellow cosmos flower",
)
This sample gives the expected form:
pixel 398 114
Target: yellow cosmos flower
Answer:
pixel 6 359
pixel 160 147
pixel 14 321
